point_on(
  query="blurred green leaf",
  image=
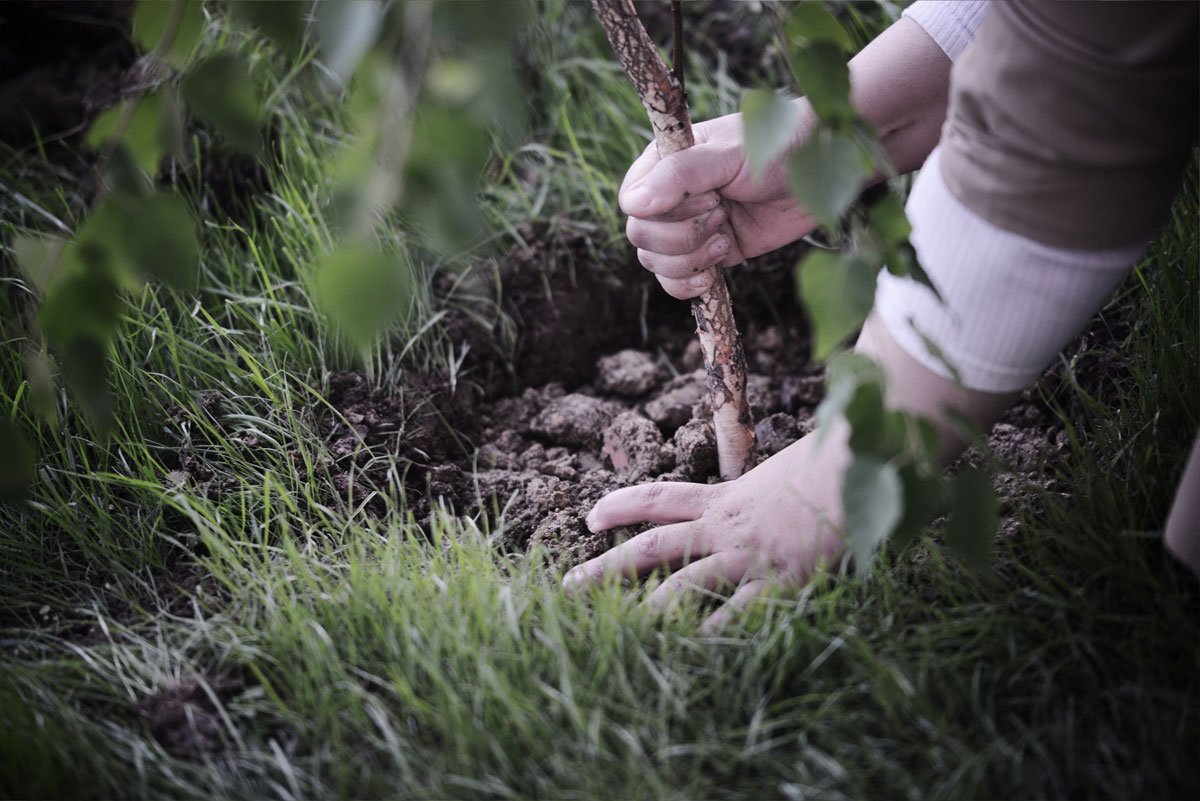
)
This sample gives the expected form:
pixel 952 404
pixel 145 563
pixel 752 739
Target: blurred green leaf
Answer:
pixel 281 21
pixel 363 291
pixel 99 247
pixel 150 21
pixel 821 73
pixel 83 307
pixel 481 25
pixel 221 93
pixel 85 368
pixel 160 238
pixel 455 82
pixel 143 136
pixel 972 523
pixel 123 175
pixel 40 375
pixel 826 175
pixel 31 253
pixel 924 497
pixel 890 221
pixel 345 32
pixel 769 120
pixel 128 239
pixel 16 463
pixel 487 37
pixel 838 292
pixel 812 21
pixel 171 123
pixel 873 428
pixel 874 502
pixel 845 372
pixel 445 161
pixel 901 260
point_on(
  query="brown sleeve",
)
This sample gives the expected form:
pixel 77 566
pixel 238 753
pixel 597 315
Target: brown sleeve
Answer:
pixel 1069 123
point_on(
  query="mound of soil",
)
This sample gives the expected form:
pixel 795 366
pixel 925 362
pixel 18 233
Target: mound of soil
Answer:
pixel 185 718
pixel 613 395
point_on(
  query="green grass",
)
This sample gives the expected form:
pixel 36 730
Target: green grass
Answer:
pixel 377 660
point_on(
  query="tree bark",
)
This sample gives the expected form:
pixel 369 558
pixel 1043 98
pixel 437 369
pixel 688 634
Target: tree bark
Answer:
pixel 666 104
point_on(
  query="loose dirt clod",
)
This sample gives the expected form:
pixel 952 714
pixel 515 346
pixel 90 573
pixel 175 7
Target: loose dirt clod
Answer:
pixel 574 420
pixel 634 448
pixel 629 373
pixel 778 431
pixel 673 407
pixel 184 718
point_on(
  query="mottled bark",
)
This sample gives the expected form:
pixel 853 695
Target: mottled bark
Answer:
pixel 666 104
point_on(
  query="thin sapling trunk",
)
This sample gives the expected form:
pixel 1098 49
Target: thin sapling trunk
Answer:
pixel 665 102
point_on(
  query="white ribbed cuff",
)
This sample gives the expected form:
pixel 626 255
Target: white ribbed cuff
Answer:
pixel 1010 304
pixel 951 24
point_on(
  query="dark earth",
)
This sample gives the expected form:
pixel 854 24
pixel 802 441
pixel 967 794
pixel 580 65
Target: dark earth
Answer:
pixel 610 392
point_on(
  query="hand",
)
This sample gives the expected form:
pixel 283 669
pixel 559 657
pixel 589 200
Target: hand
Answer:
pixel 699 207
pixel 779 521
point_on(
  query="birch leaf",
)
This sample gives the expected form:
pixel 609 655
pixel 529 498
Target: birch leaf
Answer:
pixel 973 520
pixel 812 21
pixel 838 293
pixel 769 120
pixel 221 94
pixel 150 22
pixel 821 73
pixel 874 502
pixel 826 174
pixel 363 292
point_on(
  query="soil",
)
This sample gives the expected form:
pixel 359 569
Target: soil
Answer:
pixel 610 393
pixel 185 718
pixel 61 63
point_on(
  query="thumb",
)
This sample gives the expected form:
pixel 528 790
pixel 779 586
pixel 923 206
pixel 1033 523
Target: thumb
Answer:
pixel 680 175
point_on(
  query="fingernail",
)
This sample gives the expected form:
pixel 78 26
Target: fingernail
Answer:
pixel 719 246
pixel 591 521
pixel 701 281
pixel 715 218
pixel 638 199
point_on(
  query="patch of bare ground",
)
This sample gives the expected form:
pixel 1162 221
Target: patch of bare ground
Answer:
pixel 611 393
pixel 185 718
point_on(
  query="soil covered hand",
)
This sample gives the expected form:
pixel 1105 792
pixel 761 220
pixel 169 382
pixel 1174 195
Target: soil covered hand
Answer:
pixel 678 207
pixel 779 522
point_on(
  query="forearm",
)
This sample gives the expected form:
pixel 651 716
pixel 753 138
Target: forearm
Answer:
pixel 913 387
pixel 900 83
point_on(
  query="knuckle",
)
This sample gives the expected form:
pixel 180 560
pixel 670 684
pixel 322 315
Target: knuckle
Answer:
pixel 635 232
pixel 652 494
pixel 676 175
pixel 676 585
pixel 697 232
pixel 649 544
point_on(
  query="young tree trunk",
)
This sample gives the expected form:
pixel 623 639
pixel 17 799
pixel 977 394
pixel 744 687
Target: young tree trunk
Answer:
pixel 663 97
